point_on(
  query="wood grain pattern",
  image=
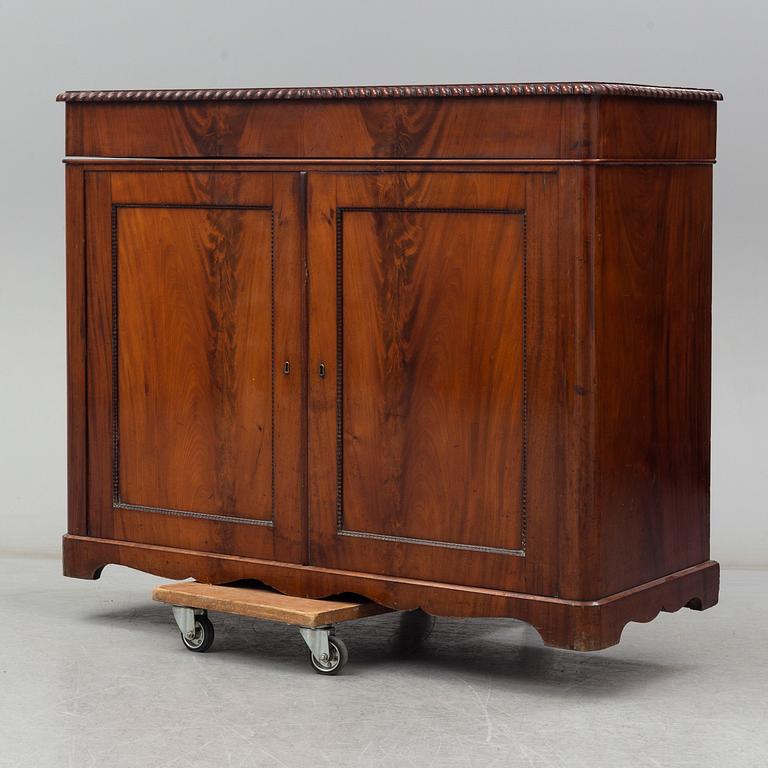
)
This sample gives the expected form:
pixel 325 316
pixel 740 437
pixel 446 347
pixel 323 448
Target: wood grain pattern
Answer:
pixel 264 604
pixel 573 624
pixel 626 129
pixel 99 312
pixel 77 438
pixel 432 407
pixel 652 364
pixel 365 129
pixel 195 357
pixel 573 338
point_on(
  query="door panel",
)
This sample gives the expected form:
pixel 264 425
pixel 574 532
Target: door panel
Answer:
pixel 194 317
pixel 419 437
pixel 196 302
pixel 432 397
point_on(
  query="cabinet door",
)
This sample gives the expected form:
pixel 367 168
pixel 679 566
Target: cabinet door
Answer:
pixel 428 358
pixel 194 305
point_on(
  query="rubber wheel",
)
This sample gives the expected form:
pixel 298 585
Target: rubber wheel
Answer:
pixel 337 662
pixel 203 638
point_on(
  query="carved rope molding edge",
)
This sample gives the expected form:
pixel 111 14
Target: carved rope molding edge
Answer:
pixel 398 91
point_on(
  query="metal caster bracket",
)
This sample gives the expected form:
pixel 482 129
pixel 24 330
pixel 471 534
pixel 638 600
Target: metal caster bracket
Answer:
pixel 316 639
pixel 185 619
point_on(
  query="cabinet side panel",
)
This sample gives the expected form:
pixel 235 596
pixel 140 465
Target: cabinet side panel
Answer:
pixel 642 129
pixel 77 497
pixel 653 315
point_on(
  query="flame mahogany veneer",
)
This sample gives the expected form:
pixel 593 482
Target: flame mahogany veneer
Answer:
pixel 444 347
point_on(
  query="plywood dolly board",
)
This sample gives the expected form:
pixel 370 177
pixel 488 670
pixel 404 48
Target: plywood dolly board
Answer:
pixel 315 619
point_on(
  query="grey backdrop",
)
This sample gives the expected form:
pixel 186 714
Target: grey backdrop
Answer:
pixel 48 47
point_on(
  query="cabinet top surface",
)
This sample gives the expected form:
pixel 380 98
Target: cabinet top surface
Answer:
pixel 399 91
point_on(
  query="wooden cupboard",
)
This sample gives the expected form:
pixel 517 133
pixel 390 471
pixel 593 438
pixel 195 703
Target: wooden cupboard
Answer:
pixel 444 346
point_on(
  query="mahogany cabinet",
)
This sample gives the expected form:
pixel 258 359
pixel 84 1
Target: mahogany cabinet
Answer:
pixel 444 347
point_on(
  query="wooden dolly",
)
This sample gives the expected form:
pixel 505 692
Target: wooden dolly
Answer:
pixel 315 619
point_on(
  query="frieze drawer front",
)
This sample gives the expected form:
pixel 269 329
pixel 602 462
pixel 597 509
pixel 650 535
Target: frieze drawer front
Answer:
pixel 445 347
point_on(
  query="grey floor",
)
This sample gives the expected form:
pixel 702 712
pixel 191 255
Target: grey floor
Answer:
pixel 94 674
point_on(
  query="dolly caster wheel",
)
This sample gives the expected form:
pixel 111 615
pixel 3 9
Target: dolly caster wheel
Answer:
pixel 195 627
pixel 336 660
pixel 202 640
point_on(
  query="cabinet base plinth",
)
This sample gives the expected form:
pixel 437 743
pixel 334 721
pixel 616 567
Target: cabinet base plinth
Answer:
pixel 571 624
